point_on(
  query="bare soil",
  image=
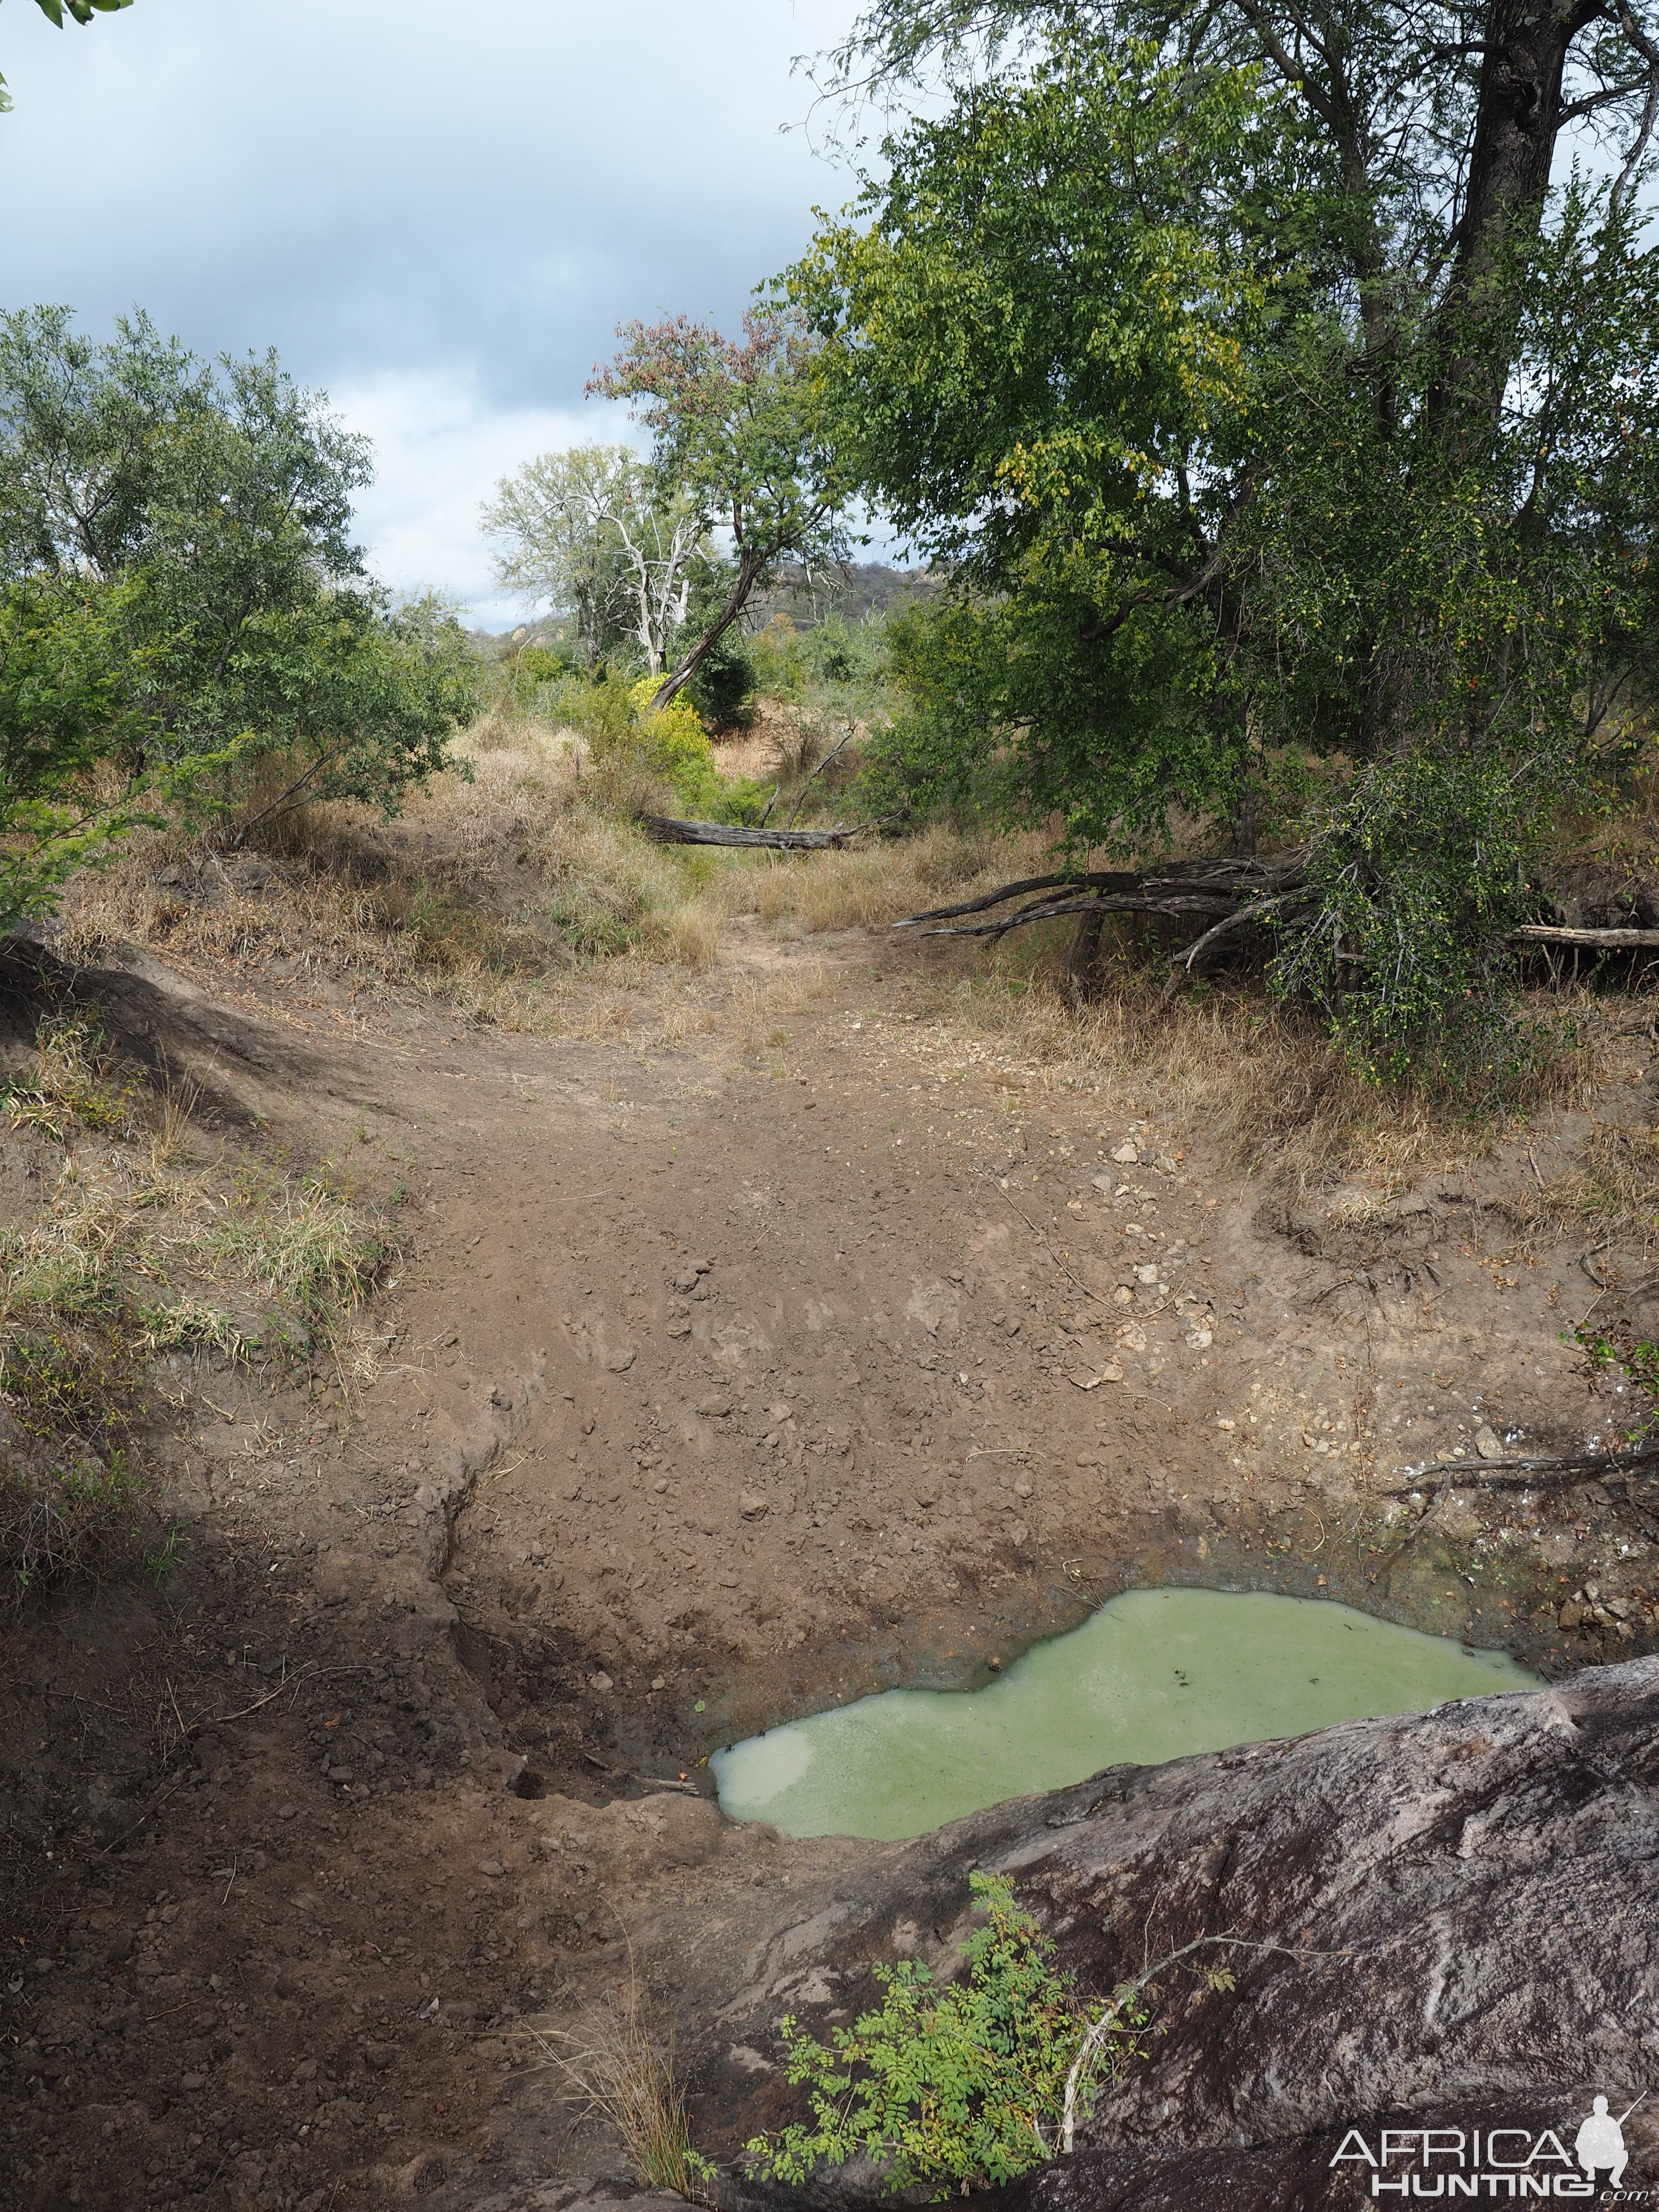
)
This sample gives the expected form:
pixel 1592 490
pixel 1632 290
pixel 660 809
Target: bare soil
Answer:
pixel 714 1385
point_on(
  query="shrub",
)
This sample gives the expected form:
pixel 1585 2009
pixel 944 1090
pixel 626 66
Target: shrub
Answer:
pixel 674 743
pixel 723 688
pixel 180 607
pixel 951 2088
pixel 779 661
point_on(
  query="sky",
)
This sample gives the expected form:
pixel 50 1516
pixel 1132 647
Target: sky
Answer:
pixel 437 210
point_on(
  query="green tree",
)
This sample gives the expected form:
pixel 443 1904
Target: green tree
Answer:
pixel 174 542
pixel 1112 338
pixel 726 680
pixel 738 433
pixel 82 10
pixel 67 718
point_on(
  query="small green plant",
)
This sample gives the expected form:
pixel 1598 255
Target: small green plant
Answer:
pixel 160 1563
pixel 1631 1362
pixel 956 2088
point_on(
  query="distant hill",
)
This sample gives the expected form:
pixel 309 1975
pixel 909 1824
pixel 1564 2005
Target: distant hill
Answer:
pixel 857 589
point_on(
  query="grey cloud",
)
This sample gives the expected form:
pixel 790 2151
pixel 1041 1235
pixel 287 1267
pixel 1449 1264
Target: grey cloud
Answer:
pixel 378 187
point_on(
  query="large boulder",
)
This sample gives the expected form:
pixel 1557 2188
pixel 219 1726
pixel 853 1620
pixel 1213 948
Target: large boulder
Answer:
pixel 1462 1911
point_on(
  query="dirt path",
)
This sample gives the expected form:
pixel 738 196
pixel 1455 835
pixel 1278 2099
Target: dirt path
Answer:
pixel 824 1349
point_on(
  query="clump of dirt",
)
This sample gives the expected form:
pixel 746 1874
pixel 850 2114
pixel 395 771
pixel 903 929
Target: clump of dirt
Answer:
pixel 825 1335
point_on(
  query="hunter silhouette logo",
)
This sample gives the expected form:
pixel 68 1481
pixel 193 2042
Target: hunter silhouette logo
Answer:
pixel 1600 2141
pixel 1506 2163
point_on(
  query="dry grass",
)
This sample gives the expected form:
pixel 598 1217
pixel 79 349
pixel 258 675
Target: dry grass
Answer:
pixel 113 1271
pixel 612 2061
pixel 1614 1184
pixel 516 891
pixel 501 878
pixel 872 885
pixel 300 1244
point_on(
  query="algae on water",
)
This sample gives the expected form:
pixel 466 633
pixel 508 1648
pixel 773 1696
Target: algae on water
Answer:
pixel 1155 1674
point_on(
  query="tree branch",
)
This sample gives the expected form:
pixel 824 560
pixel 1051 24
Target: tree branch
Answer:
pixel 1109 2017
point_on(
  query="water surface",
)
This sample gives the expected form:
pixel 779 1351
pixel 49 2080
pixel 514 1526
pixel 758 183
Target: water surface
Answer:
pixel 1154 1674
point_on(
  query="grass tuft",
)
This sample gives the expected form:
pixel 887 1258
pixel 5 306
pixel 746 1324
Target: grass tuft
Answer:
pixel 612 2060
pixel 109 1274
pixel 301 1244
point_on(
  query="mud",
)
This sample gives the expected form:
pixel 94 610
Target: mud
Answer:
pixel 710 1388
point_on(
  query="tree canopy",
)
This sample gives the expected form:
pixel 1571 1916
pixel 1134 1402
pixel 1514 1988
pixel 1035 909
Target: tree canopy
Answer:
pixel 1274 405
pixel 179 597
pixel 737 433
pixel 594 533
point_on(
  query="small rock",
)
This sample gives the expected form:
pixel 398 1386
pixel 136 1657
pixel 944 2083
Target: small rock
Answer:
pixel 1486 1443
pixel 751 1505
pixel 619 1361
pixel 657 1682
pixel 1021 1488
pixel 1126 1153
pixel 714 1405
pixel 601 1682
pixel 493 1867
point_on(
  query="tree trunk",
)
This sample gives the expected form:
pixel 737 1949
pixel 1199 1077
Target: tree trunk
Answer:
pixel 749 572
pixel 1082 961
pixel 1517 118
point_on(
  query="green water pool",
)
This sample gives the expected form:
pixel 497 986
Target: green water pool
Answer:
pixel 1154 1674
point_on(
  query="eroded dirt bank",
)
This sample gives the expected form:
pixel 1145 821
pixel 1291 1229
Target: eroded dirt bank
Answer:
pixel 716 1380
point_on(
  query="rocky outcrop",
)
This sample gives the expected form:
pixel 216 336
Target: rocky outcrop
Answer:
pixel 1467 1908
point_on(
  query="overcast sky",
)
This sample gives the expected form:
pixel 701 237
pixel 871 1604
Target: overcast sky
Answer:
pixel 437 210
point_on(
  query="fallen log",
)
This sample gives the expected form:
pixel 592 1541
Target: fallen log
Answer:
pixel 1117 880
pixel 667 830
pixel 1173 903
pixel 1223 895
pixel 1547 933
pixel 1221 881
pixel 1220 893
